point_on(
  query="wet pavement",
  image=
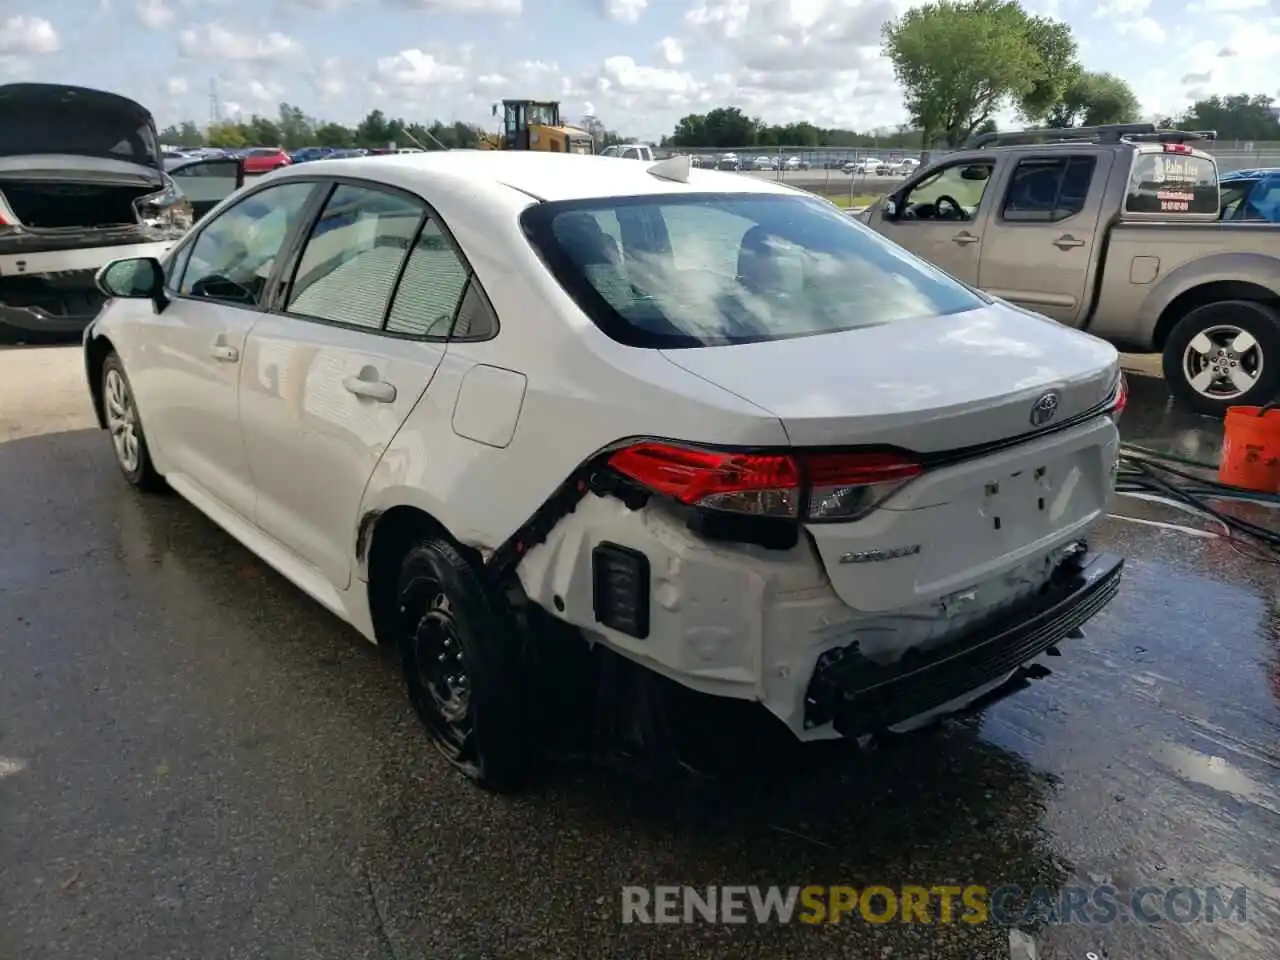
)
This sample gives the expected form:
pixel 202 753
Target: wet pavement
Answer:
pixel 197 761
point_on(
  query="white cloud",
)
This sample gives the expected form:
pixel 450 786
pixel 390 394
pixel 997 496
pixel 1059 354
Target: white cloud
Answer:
pixel 212 41
pixel 625 11
pixel 1144 28
pixel 154 14
pixel 481 7
pixel 1122 8
pixel 24 35
pixel 672 51
pixel 415 70
pixel 177 86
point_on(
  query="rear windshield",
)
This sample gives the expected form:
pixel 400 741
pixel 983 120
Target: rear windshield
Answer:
pixel 75 130
pixel 1172 183
pixel 694 270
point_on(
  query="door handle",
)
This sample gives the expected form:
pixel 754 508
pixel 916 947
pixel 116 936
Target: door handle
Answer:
pixel 226 354
pixel 964 239
pixel 1067 241
pixel 378 390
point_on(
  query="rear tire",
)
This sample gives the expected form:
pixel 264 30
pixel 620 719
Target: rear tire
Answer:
pixel 464 665
pixel 1220 341
pixel 128 440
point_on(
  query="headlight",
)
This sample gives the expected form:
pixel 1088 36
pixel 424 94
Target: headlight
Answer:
pixel 167 211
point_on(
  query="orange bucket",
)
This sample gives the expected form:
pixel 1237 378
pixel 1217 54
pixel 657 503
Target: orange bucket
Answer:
pixel 1251 449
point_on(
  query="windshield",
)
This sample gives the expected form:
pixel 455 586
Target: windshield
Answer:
pixel 693 270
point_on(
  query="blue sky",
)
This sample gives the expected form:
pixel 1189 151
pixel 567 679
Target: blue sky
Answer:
pixel 637 64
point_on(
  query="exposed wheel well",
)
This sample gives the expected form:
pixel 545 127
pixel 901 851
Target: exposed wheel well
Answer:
pixel 95 356
pixel 393 534
pixel 1209 293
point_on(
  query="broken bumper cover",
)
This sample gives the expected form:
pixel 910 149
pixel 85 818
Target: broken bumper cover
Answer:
pixel 858 696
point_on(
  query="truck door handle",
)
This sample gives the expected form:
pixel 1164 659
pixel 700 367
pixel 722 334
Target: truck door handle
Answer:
pixel 964 239
pixel 378 390
pixel 225 353
pixel 1067 241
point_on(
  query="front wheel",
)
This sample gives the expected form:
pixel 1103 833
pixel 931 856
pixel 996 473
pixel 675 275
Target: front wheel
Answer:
pixel 120 410
pixel 1224 354
pixel 464 665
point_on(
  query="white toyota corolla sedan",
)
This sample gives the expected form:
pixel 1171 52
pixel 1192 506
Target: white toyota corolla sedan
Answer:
pixel 571 433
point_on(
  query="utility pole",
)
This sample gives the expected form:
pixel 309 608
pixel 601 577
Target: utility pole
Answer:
pixel 215 105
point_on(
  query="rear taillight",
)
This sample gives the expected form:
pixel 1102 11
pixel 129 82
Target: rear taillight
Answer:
pixel 1120 397
pixel 825 486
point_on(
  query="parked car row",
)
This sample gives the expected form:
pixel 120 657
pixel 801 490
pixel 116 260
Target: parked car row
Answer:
pixel 866 166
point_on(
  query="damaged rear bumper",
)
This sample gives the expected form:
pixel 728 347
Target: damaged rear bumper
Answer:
pixel 859 697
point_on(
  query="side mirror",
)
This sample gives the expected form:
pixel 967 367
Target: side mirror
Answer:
pixel 976 172
pixel 135 278
pixel 890 210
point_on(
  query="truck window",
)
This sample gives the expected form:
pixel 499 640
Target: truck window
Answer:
pixel 1047 189
pixel 965 183
pixel 1172 183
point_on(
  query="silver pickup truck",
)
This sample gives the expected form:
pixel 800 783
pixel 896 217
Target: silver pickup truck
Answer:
pixel 1115 230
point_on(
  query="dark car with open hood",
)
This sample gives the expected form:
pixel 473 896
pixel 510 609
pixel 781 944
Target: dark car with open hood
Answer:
pixel 83 182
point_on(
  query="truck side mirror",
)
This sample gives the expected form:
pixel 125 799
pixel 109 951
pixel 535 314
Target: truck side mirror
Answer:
pixel 890 210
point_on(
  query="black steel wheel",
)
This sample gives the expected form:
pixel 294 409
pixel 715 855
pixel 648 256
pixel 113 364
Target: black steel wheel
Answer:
pixel 464 666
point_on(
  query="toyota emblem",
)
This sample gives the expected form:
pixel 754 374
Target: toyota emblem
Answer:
pixel 1044 409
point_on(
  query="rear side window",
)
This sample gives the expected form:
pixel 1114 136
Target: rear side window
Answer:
pixel 1172 183
pixel 1046 190
pixel 348 269
pixel 692 270
pixel 431 288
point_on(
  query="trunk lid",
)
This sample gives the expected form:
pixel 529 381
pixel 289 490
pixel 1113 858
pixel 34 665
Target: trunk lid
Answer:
pixel 997 493
pixel 927 385
pixel 73 158
pixel 53 118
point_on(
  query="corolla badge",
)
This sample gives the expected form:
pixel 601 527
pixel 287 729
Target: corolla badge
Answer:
pixel 878 556
pixel 1044 409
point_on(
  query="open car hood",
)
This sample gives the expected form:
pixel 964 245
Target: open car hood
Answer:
pixel 53 118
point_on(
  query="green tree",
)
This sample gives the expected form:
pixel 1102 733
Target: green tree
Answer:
pixel 296 129
pixel 1234 117
pixel 227 135
pixel 962 61
pixel 262 132
pixel 1094 98
pixel 334 135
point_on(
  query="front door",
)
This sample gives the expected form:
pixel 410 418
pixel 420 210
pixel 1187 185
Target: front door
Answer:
pixel 188 386
pixel 1041 254
pixel 330 377
pixel 940 218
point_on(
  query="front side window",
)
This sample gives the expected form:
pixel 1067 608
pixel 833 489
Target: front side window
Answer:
pixel 695 270
pixel 348 269
pixel 232 258
pixel 1172 183
pixel 952 193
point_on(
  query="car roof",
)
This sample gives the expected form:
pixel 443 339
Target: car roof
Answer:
pixel 544 176
pixel 1246 174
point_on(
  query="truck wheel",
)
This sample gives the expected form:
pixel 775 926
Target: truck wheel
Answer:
pixel 463 663
pixel 120 410
pixel 1224 354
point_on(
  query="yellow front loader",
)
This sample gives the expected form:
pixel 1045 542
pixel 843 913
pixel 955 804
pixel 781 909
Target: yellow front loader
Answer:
pixel 535 125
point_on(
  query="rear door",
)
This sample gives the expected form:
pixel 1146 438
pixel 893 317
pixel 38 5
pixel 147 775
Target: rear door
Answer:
pixel 206 183
pixel 334 369
pixel 1040 245
pixel 940 218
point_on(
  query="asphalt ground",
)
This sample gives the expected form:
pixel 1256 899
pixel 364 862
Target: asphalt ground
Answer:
pixel 198 761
